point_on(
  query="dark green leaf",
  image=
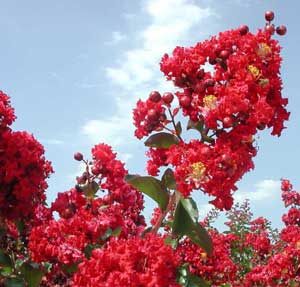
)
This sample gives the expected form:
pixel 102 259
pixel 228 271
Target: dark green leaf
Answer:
pixel 207 138
pixel 191 207
pixel 195 125
pixel 70 268
pixel 109 232
pixel 151 187
pixel 117 231
pixel 185 278
pixel 90 189
pixel 168 179
pixel 161 140
pixel 195 281
pixel 184 224
pixel 20 225
pixel 173 242
pixel 89 248
pixel 32 274
pixel 14 282
pixel 178 128
pixel 5 260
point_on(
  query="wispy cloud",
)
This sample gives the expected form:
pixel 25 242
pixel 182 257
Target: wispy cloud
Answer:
pixel 136 72
pixel 263 190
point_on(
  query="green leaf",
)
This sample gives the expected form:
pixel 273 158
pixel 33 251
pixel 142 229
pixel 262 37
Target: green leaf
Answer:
pixel 173 242
pixel 161 140
pixel 109 232
pixel 195 125
pixel 32 274
pixel 70 268
pixel 117 231
pixel 185 278
pixel 151 187
pixel 178 128
pixel 89 248
pixel 206 138
pixel 191 207
pixel 168 179
pixel 5 271
pixel 14 282
pixel 5 260
pixel 195 281
pixel 90 189
pixel 184 224
pixel 20 225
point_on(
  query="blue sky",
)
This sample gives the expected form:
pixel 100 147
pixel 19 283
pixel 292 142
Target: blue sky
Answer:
pixel 74 70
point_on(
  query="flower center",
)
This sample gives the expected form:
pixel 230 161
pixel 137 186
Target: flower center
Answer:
pixel 198 171
pixel 210 102
pixel 263 50
pixel 254 71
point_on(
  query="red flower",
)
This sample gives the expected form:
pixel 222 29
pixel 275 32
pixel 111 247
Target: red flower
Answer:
pixel 135 262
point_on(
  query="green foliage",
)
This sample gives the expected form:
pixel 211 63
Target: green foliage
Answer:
pixel 185 223
pixel 152 187
pixel 185 278
pixel 162 140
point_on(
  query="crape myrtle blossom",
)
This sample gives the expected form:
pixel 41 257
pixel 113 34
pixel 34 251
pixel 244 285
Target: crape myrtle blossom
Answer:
pixel 23 168
pixel 228 106
pixel 94 234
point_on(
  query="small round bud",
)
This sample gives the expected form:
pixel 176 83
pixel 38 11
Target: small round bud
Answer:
pixel 224 54
pixel 281 30
pixel 269 16
pixel 78 156
pixel 244 29
pixel 153 115
pixel 167 98
pixel 270 28
pixel 155 96
pixel 185 101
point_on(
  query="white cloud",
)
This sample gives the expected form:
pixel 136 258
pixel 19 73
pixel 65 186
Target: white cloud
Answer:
pixel 136 72
pixel 117 37
pixel 263 190
pixel 113 131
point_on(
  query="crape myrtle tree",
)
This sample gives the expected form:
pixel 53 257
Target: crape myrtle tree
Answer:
pixel 228 88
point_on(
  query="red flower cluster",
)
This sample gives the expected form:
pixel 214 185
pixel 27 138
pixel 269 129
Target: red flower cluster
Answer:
pixel 64 241
pixel 23 168
pixel 149 116
pixel 227 104
pixel 7 115
pixel 218 268
pixel 86 220
pixel 135 262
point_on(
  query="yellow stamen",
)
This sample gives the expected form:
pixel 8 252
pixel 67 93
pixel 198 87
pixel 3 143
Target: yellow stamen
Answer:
pixel 254 71
pixel 210 102
pixel 198 171
pixel 263 50
pixel 203 256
